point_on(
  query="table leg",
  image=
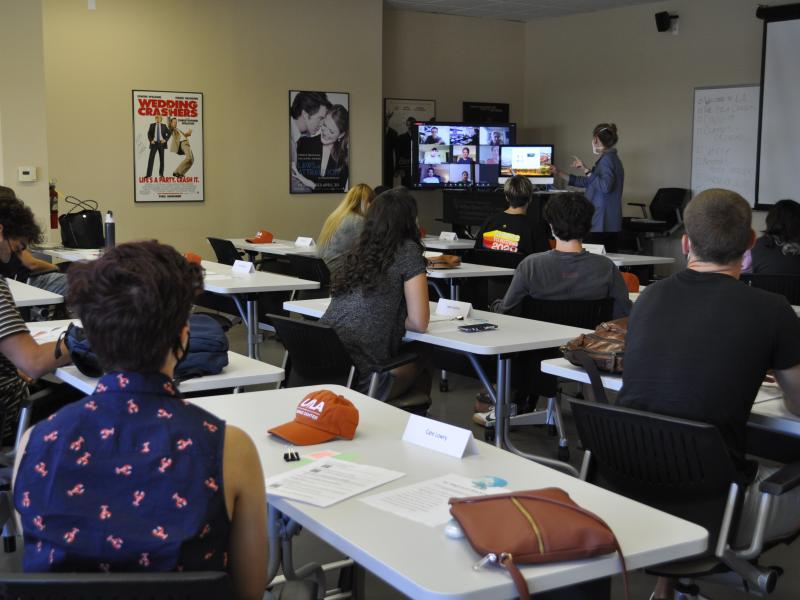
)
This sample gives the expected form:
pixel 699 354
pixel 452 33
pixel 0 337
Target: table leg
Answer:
pixel 252 328
pixel 454 289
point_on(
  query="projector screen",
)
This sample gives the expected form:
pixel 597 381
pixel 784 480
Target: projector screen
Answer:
pixel 779 134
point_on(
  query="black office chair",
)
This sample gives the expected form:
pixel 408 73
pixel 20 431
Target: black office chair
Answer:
pixel 586 314
pixel 785 285
pixel 315 355
pixel 313 269
pixel 664 219
pixel 683 468
pixel 198 585
pixel 225 251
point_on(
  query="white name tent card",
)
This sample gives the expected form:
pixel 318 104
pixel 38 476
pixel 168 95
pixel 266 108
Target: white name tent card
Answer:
pixel 440 437
pixel 243 267
pixel 304 241
pixel 595 248
pixel 450 309
pixel 448 236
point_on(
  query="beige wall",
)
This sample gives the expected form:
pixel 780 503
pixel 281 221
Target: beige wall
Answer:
pixel 23 122
pixel 452 59
pixel 614 66
pixel 244 61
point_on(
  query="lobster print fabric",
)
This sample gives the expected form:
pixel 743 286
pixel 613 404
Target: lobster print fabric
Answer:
pixel 127 479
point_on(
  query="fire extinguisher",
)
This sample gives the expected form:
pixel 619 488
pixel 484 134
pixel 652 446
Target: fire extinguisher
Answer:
pixel 53 205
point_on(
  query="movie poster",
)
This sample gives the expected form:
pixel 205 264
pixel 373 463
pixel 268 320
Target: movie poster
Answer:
pixel 168 146
pixel 319 142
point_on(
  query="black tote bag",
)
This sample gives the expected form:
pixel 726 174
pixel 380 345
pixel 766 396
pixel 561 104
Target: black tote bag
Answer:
pixel 82 225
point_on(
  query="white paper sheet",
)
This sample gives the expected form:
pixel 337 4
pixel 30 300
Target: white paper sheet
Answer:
pixel 46 335
pixel 426 502
pixel 328 481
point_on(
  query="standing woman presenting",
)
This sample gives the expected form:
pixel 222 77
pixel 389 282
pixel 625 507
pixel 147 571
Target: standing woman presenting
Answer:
pixel 603 184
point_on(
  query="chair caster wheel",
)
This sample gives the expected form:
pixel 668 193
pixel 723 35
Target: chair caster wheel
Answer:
pixel 488 435
pixel 443 386
pixel 552 431
pixel 563 453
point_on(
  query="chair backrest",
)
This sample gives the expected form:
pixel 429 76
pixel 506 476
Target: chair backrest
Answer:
pixel 631 281
pixel 316 354
pixel 199 585
pixel 785 285
pixel 226 252
pixel 314 269
pixel 666 202
pixel 493 258
pixel 681 467
pixel 576 313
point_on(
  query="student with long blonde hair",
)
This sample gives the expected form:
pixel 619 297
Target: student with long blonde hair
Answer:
pixel 343 226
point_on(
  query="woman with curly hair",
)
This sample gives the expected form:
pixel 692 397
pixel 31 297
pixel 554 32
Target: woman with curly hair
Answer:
pixel 778 250
pixel 382 291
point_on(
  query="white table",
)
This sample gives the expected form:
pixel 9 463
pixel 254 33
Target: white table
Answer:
pixel 239 372
pixel 277 247
pixel 639 260
pixel 514 334
pixel 69 254
pixel 467 271
pixel 434 243
pixel 28 295
pixel 418 560
pixel 768 411
pixel 219 279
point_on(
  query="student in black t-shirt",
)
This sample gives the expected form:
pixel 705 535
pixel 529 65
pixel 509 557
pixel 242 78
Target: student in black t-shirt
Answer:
pixel 510 230
pixel 700 343
pixel 778 250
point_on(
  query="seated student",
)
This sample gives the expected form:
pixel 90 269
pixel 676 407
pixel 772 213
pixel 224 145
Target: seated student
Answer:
pixel 38 273
pixel 343 226
pixel 699 344
pixel 778 250
pixel 510 230
pixel 382 291
pixel 18 350
pixel 567 272
pixel 132 478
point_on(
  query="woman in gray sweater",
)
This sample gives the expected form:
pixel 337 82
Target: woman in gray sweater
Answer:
pixel 343 226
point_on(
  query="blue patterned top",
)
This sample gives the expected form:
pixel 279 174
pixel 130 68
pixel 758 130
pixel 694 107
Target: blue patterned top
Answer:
pixel 127 479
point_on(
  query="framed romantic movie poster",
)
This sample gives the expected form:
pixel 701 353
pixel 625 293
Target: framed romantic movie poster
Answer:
pixel 319 142
pixel 167 146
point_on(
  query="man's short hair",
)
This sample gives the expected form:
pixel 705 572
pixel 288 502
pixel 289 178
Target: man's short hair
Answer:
pixel 518 191
pixel 718 223
pixel 570 215
pixel 133 302
pixel 17 219
pixel 308 102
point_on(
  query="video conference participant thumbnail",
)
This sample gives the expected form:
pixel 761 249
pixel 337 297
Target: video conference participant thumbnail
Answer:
pixel 464 155
pixel 464 135
pixel 489 155
pixel 434 134
pixel 432 154
pixel 434 174
pixel 460 175
pixel 486 175
pixel 494 136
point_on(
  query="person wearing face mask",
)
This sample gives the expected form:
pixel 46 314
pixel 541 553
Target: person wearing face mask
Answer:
pixel 323 160
pixel 603 183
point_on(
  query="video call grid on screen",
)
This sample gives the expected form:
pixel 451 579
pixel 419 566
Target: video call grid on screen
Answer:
pixel 474 149
pixel 532 161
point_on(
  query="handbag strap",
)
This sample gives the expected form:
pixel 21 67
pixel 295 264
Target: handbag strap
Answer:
pixel 507 561
pixel 593 372
pixel 77 203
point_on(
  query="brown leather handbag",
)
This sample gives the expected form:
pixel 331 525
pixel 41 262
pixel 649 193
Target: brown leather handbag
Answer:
pixel 606 346
pixel 444 261
pixel 532 527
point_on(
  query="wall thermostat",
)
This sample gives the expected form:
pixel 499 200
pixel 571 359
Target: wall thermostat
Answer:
pixel 26 173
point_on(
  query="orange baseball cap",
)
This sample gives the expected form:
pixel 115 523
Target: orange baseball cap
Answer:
pixel 192 257
pixel 320 417
pixel 262 237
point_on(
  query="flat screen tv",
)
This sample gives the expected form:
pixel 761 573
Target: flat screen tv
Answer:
pixel 453 155
pixel 533 162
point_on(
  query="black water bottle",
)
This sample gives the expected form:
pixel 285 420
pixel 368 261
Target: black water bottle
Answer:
pixel 109 230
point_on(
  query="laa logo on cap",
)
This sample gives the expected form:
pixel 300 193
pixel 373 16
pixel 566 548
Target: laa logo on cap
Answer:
pixel 312 404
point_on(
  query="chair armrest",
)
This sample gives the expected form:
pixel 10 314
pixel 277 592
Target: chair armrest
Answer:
pixel 783 480
pixel 397 361
pixel 640 205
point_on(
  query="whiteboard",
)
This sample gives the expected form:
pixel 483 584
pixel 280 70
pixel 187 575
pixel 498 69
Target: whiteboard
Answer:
pixel 725 139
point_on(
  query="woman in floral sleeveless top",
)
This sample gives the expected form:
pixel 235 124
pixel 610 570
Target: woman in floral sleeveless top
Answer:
pixel 131 477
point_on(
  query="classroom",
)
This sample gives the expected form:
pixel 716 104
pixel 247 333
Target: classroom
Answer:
pixel 73 73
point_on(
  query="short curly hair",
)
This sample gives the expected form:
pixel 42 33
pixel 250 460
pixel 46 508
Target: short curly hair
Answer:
pixel 133 301
pixel 570 215
pixel 17 218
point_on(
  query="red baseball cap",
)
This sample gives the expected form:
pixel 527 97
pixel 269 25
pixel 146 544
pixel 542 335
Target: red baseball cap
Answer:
pixel 262 237
pixel 320 417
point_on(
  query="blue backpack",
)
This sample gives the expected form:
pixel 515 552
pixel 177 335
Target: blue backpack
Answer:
pixel 207 353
